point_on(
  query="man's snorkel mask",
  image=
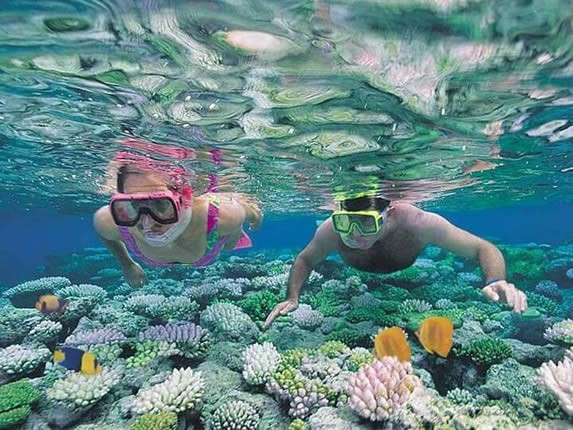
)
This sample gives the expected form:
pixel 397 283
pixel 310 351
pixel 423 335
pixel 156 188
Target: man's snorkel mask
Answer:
pixel 363 214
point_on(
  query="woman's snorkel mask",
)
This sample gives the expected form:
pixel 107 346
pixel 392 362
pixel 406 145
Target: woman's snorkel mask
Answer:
pixel 170 207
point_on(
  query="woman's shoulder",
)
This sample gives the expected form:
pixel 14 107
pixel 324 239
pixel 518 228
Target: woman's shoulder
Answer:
pixel 105 225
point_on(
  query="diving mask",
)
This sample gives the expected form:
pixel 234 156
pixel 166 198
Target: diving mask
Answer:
pixel 366 222
pixel 164 207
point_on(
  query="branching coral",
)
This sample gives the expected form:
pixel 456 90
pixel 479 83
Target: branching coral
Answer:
pixel 378 390
pixel 558 378
pixel 182 391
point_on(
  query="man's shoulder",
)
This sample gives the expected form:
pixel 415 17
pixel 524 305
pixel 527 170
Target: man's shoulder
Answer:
pixel 403 209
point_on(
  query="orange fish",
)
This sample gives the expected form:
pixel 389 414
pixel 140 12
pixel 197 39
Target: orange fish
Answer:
pixel 50 304
pixel 435 335
pixel 392 342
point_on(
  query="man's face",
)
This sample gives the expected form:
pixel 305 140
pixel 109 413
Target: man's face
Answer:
pixel 356 239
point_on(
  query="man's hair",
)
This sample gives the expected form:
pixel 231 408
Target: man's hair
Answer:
pixel 364 203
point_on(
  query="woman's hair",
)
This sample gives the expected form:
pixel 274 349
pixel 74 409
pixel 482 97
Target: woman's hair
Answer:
pixel 364 203
pixel 130 169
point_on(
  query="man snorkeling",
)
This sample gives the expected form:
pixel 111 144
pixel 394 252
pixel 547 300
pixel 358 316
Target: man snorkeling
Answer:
pixel 375 235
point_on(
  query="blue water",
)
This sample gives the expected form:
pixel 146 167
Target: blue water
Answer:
pixel 30 237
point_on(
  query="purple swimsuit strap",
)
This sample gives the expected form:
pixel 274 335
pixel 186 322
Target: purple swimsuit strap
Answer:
pixel 131 244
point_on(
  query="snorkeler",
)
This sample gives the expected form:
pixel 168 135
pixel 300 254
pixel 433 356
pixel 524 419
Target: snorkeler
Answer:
pixel 155 215
pixel 375 235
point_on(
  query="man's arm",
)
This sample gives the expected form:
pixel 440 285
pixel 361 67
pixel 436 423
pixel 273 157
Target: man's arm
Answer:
pixel 322 244
pixel 440 232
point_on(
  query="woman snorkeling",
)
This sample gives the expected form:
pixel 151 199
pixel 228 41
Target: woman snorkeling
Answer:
pixel 155 216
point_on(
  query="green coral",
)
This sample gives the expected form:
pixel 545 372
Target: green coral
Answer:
pixel 161 421
pixel 333 348
pixel 15 416
pixel 453 291
pixel 149 350
pixel 523 264
pixel 358 359
pixel 544 304
pixel 15 401
pixel 258 305
pixel 413 321
pixel 297 424
pixel 325 301
pixel 374 314
pixel 350 337
pixel 392 294
pixel 487 351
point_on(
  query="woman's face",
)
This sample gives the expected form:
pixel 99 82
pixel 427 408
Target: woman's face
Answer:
pixel 137 183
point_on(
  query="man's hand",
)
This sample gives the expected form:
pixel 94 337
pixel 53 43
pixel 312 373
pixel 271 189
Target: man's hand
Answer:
pixel 507 293
pixel 134 275
pixel 282 308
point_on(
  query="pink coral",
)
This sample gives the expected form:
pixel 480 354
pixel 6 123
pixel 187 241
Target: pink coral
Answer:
pixel 377 390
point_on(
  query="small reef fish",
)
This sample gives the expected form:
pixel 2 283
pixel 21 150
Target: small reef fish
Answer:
pixel 392 343
pixel 435 335
pixel 77 360
pixel 50 304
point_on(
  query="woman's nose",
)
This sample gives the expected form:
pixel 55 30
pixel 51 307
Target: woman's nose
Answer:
pixel 146 221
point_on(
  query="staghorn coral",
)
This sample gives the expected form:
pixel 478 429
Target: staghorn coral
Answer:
pixel 79 391
pixel 260 361
pixel 234 415
pixel 182 391
pixel 378 390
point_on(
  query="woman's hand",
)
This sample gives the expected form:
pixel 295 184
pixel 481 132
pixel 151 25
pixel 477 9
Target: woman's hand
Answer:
pixel 134 275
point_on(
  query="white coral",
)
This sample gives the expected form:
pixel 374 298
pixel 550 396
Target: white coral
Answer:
pixel 44 331
pixel 77 391
pixel 17 359
pixel 259 362
pixel 180 392
pixel 558 378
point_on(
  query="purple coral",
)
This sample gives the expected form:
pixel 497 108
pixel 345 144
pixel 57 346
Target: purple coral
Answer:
pixel 189 338
pixel 104 336
pixel 549 289
pixel 377 390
